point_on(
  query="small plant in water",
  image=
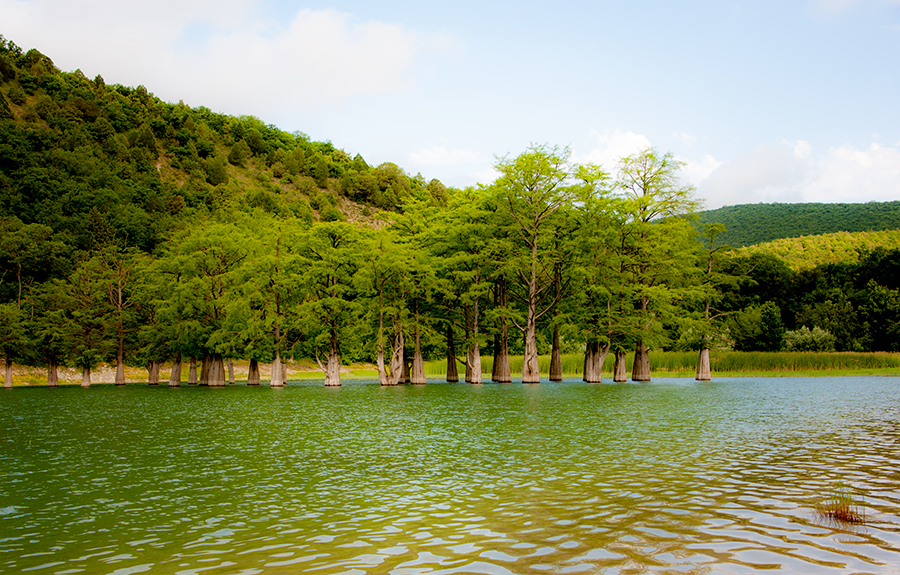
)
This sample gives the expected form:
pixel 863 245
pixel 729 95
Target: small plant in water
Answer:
pixel 842 506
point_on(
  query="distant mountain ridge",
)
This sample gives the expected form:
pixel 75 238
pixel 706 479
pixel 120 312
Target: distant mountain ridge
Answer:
pixel 750 224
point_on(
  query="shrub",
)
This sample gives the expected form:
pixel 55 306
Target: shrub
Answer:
pixel 804 339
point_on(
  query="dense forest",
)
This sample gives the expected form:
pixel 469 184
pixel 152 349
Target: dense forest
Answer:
pixel 139 231
pixel 806 252
pixel 750 224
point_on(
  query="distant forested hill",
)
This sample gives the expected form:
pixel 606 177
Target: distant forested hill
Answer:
pixel 807 252
pixel 750 224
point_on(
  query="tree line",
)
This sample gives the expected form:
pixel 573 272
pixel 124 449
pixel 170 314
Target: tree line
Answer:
pixel 144 232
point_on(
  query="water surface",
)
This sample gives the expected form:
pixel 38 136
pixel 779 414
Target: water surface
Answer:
pixel 672 476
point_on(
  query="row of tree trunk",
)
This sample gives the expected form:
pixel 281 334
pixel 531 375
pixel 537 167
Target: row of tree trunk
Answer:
pixel 213 374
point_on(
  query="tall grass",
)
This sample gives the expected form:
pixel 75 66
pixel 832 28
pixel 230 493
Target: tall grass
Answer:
pixel 685 362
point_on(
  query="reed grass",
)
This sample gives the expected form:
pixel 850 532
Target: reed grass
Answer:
pixel 684 363
pixel 842 507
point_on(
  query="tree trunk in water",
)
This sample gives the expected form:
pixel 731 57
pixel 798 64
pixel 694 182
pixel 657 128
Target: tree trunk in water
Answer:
pixel 555 359
pixel 277 379
pixel 52 374
pixel 704 373
pixel 333 373
pixel 473 363
pixel 85 377
pixel 594 358
pixel 7 377
pixel 382 372
pixel 120 367
pixel 531 372
pixel 253 373
pixel 641 369
pixel 468 374
pixel 192 372
pixel 230 371
pixel 417 376
pixel 620 370
pixel 500 372
pixel 396 366
pixel 175 374
pixel 452 373
pixel 205 366
pixel 215 373
pixel 153 372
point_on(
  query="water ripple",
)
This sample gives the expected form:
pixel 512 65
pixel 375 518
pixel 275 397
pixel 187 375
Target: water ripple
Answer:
pixel 668 477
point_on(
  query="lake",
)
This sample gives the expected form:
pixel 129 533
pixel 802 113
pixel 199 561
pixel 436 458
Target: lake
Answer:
pixel 672 476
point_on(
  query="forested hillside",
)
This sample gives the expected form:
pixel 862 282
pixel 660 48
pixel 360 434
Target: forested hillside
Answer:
pixel 749 224
pixel 807 252
pixel 135 230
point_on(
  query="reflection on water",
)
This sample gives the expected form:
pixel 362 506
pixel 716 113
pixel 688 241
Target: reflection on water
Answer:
pixel 668 477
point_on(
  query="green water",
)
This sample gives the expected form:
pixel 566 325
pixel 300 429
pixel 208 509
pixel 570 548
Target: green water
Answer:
pixel 668 477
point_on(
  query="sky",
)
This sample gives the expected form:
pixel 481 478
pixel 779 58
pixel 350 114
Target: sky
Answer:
pixel 763 100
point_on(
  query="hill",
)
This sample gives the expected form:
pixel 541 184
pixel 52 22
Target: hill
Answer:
pixel 807 252
pixel 80 159
pixel 750 224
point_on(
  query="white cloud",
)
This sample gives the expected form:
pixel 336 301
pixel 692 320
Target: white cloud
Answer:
pixel 688 139
pixel 794 173
pixel 612 145
pixel 438 155
pixel 225 55
pixel 695 171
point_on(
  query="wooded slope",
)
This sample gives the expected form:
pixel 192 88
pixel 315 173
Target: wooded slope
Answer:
pixel 807 252
pixel 750 224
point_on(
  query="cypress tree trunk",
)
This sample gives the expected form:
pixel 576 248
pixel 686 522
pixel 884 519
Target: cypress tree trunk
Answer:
pixel 599 357
pixel 417 376
pixel 555 358
pixel 175 374
pixel 452 373
pixel 396 366
pixel 500 372
pixel 192 372
pixel 594 356
pixel 153 372
pixel 85 377
pixel 52 374
pixel 7 377
pixel 277 379
pixel 382 372
pixel 230 371
pixel 704 373
pixel 641 369
pixel 120 366
pixel 473 362
pixel 531 372
pixel 215 373
pixel 587 368
pixel 253 373
pixel 333 371
pixel 205 366
pixel 620 370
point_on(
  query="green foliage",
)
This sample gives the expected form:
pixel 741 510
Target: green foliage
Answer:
pixel 805 339
pixel 807 252
pixel 751 224
pixel 758 328
pixel 239 153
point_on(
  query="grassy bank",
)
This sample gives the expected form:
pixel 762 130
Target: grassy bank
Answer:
pixel 724 364
pixel 662 364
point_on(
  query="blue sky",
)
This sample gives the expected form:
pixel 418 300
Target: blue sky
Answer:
pixel 763 100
